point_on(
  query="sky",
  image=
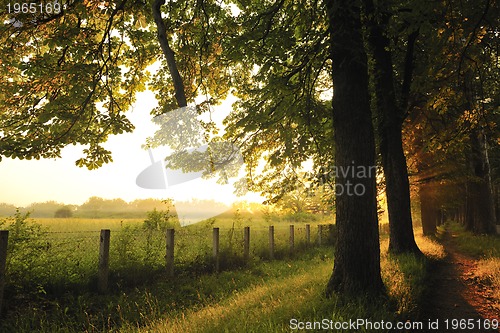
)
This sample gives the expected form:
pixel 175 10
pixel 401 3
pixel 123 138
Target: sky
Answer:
pixel 27 181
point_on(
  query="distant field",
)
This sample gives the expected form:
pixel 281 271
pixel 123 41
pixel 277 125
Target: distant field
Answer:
pixel 81 224
pixel 223 221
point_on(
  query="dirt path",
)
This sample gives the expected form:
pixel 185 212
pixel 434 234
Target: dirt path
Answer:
pixel 456 297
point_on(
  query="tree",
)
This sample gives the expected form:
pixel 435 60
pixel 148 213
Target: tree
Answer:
pixel 284 54
pixel 457 122
pixel 63 79
pixel 44 209
pixel 390 116
pixel 306 200
pixel 68 77
pixel 7 209
pixel 427 183
pixel 160 220
pixel 93 206
pixel 64 212
pixel 357 250
pixel 280 58
pixel 145 205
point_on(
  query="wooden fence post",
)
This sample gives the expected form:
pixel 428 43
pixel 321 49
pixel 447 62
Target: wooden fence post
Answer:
pixel 216 248
pixel 102 283
pixel 169 257
pixel 4 239
pixel 320 233
pixel 246 243
pixel 271 242
pixel 292 238
pixel 308 234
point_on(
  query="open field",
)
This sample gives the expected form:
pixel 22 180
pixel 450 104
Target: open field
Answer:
pixel 233 300
pixel 83 224
pixel 53 258
pixel 52 279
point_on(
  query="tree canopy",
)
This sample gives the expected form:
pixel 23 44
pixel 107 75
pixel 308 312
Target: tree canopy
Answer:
pixel 312 79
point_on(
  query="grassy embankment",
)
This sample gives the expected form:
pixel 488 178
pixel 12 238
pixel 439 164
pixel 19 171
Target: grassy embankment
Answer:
pixel 295 290
pixel 485 248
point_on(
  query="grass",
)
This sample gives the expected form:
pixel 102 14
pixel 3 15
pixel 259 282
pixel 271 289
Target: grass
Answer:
pixel 405 275
pixel 276 290
pixel 294 289
pixel 76 225
pixel 53 263
pixel 256 296
pixel 477 246
pixel 488 272
pixel 486 248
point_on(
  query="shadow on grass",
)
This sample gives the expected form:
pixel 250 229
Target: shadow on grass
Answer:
pixel 142 295
pixel 258 296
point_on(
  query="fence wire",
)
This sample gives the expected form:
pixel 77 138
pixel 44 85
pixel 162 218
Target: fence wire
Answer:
pixel 57 261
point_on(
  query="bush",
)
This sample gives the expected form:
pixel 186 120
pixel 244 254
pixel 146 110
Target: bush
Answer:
pixel 161 220
pixel 64 212
pixel 26 246
pixel 301 217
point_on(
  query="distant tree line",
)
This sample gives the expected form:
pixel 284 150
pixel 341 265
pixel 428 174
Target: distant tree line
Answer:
pixel 297 206
pixel 94 207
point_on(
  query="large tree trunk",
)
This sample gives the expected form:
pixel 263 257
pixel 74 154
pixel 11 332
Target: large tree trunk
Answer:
pixel 390 119
pixel 482 196
pixel 497 203
pixel 357 252
pixel 401 234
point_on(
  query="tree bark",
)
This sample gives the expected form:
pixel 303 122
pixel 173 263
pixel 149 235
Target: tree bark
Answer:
pixel 497 203
pixel 482 196
pixel 357 252
pixel 180 94
pixel 390 119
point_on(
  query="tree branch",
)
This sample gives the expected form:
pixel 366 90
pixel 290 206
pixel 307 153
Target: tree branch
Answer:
pixel 180 94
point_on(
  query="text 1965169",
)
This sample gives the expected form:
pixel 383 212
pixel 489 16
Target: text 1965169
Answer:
pixel 34 7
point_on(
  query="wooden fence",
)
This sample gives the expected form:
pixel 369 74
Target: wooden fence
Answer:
pixel 105 239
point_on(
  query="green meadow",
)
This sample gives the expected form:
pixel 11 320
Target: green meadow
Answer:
pixel 52 266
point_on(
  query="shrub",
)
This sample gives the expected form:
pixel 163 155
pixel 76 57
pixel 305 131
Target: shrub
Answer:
pixel 25 248
pixel 64 212
pixel 301 217
pixel 161 220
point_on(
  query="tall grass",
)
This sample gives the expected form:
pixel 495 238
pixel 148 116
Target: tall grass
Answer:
pixel 474 245
pixel 74 224
pixel 254 296
pixel 56 260
pixel 295 289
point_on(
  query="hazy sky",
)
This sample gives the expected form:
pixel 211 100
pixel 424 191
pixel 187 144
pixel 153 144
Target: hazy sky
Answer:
pixel 23 182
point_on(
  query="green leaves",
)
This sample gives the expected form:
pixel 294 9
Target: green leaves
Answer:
pixel 280 70
pixel 63 79
pixel 96 156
